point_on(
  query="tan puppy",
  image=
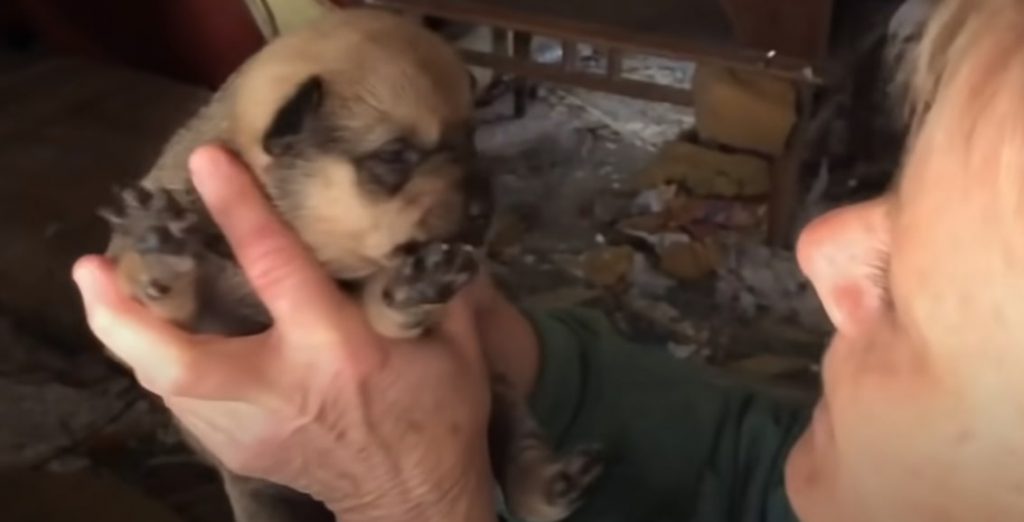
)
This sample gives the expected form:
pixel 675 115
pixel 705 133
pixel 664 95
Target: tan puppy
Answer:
pixel 360 129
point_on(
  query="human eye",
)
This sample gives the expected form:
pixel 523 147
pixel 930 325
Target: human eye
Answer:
pixel 879 274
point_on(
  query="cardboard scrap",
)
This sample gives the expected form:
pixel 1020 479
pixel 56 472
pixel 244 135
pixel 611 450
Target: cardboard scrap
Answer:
pixel 705 171
pixel 743 109
pixel 608 266
pixel 690 261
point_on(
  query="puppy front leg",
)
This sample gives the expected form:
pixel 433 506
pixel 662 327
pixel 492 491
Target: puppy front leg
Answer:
pixel 539 484
pixel 160 260
pixel 404 302
pixel 155 251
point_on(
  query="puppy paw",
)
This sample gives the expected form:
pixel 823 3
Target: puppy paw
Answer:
pixel 571 476
pixel 430 275
pixel 551 489
pixel 158 263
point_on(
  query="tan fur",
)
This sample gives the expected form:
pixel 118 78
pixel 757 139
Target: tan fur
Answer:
pixel 352 234
pixel 335 208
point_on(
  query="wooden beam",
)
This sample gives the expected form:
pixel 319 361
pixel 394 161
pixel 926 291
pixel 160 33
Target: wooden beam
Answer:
pixel 569 56
pixel 614 63
pixel 785 192
pixel 556 74
pixel 780 64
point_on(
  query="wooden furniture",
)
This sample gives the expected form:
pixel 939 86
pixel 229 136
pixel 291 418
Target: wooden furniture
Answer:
pixel 195 41
pixel 785 38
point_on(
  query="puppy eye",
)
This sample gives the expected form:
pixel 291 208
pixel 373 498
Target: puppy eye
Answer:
pixel 398 153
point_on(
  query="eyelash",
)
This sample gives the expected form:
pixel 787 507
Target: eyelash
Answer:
pixel 879 274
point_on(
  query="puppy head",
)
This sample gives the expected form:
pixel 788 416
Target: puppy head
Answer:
pixel 360 128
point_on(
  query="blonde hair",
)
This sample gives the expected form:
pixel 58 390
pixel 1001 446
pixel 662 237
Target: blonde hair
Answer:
pixel 965 101
pixel 957 37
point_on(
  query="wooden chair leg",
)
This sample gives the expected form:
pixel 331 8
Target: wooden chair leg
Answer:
pixel 521 50
pixel 521 96
pixel 785 195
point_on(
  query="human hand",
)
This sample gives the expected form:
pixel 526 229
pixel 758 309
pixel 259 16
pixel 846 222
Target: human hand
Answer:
pixel 374 428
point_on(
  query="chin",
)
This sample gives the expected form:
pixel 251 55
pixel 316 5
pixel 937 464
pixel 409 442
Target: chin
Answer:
pixel 808 481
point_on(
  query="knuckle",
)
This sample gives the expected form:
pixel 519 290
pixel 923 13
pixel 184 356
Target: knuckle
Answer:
pixel 269 262
pixel 251 458
pixel 242 460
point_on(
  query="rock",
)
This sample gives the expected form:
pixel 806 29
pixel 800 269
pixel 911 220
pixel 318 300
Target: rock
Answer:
pixel 746 110
pixel 708 172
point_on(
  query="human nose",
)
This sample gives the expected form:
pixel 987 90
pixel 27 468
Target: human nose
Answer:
pixel 845 254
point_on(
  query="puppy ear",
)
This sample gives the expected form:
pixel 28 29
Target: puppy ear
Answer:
pixel 295 119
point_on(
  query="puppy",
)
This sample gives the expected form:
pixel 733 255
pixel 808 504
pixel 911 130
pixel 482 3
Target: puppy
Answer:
pixel 359 127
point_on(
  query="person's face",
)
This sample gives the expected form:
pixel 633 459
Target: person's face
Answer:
pixel 922 413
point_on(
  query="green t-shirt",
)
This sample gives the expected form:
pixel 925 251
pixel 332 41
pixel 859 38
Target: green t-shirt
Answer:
pixel 683 444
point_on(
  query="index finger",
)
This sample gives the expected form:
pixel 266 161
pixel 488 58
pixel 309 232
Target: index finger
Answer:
pixel 282 271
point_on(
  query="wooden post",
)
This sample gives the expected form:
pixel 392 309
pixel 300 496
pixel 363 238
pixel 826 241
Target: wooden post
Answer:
pixel 785 194
pixel 521 50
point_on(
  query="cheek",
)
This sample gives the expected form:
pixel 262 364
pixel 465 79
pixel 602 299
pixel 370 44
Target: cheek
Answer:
pixel 889 411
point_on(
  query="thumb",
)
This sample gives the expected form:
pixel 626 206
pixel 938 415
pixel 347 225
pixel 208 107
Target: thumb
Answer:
pixel 283 273
pixel 458 325
pixel 165 360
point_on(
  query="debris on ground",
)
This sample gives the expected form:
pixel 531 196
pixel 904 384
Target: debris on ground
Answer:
pixel 608 266
pixel 757 281
pixel 691 260
pixel 706 171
